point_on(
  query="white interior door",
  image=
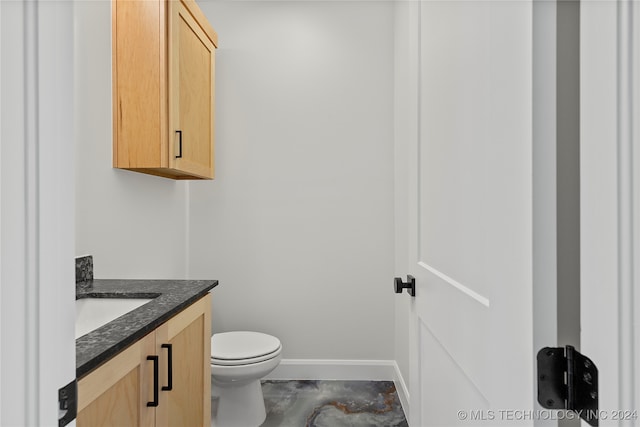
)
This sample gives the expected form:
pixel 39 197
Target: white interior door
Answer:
pixel 471 220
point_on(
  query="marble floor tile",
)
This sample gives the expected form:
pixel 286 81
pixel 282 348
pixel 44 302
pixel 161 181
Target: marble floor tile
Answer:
pixel 332 404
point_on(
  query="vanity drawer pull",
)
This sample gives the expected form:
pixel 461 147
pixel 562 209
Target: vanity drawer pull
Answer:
pixel 169 385
pixel 155 381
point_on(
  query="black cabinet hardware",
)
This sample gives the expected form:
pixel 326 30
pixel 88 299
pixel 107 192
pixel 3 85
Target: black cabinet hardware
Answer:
pixel 169 385
pixel 179 155
pixel 154 402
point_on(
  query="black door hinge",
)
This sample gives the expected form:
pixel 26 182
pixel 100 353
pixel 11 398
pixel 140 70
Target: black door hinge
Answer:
pixel 68 403
pixel 568 380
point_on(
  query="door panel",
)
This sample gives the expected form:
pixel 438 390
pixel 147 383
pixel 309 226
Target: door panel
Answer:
pixel 459 324
pixel 471 188
pixel 451 377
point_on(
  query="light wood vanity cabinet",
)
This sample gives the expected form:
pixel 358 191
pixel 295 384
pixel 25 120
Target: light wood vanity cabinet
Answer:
pixel 117 393
pixel 189 335
pixel 163 88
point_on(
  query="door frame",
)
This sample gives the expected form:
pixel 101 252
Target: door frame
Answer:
pixel 610 199
pixel 37 205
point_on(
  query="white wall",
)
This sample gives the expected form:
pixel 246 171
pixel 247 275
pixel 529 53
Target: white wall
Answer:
pixel 298 225
pixel 133 224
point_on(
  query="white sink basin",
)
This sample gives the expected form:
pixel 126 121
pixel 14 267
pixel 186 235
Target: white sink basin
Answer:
pixel 91 313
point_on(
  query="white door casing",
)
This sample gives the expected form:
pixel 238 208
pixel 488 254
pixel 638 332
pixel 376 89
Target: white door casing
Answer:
pixel 610 209
pixel 37 353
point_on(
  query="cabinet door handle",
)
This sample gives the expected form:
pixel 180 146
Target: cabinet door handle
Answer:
pixel 169 385
pixel 179 156
pixel 154 402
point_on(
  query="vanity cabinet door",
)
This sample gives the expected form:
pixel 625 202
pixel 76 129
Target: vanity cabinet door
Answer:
pixel 188 334
pixel 116 394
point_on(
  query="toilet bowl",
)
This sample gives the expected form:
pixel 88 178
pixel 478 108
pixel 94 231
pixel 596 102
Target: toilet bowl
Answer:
pixel 238 361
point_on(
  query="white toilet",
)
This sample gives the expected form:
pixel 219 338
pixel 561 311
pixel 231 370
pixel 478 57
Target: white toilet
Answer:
pixel 238 361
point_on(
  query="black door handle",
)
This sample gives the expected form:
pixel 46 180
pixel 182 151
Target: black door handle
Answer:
pixel 154 402
pixel 409 285
pixel 169 385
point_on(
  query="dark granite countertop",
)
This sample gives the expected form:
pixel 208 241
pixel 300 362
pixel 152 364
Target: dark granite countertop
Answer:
pixel 169 298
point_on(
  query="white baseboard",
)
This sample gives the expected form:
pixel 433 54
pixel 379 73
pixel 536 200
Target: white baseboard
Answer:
pixel 330 369
pixel 346 370
pixel 402 389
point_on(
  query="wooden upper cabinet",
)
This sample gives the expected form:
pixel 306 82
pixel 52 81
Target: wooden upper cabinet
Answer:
pixel 163 88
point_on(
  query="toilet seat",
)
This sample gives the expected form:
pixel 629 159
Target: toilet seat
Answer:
pixel 243 348
pixel 248 361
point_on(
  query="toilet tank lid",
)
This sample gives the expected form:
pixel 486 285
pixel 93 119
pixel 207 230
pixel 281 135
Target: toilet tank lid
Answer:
pixel 242 345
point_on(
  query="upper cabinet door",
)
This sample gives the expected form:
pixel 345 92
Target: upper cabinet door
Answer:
pixel 163 88
pixel 191 92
